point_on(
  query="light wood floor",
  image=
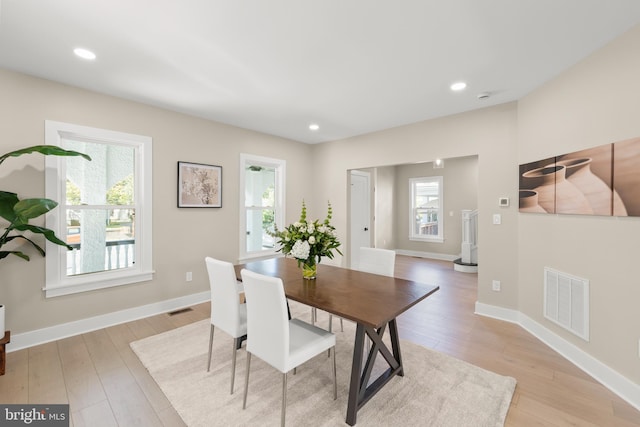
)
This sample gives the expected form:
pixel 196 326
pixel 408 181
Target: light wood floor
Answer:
pixel 105 384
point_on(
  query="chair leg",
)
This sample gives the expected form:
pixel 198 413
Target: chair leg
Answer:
pixel 335 381
pixel 331 323
pixel 284 398
pixel 330 328
pixel 246 381
pixel 233 362
pixel 210 345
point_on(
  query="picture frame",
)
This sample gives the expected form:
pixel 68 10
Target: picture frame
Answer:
pixel 602 180
pixel 199 185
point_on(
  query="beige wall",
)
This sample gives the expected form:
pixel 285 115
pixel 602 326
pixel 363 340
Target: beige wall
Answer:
pixel 181 237
pixel 594 103
pixel 385 216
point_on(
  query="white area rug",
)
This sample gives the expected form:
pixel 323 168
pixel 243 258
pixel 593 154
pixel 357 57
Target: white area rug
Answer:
pixel 436 390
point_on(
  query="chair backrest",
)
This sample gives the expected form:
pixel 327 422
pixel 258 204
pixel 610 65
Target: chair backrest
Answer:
pixel 267 318
pixel 377 261
pixel 225 300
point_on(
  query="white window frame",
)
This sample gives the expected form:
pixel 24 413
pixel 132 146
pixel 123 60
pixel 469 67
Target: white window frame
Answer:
pixel 412 208
pixel 280 167
pixel 57 282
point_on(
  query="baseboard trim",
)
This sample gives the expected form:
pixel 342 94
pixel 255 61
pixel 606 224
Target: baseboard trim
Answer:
pixel 430 255
pixel 65 330
pixel 613 380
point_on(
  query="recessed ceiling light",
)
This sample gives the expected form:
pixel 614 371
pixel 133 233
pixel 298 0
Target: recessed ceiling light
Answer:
pixel 458 86
pixel 314 126
pixel 84 53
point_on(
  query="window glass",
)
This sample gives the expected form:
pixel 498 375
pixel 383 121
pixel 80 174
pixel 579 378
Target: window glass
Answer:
pixel 100 207
pixel 104 210
pixel 426 208
pixel 262 186
pixel 259 201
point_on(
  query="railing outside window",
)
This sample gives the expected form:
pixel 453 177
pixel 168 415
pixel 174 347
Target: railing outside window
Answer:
pixel 117 254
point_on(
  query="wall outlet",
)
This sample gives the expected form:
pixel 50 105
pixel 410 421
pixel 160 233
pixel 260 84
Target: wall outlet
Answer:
pixel 496 285
pixel 497 219
pixel 189 276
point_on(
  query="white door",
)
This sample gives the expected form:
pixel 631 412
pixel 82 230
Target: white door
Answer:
pixel 360 214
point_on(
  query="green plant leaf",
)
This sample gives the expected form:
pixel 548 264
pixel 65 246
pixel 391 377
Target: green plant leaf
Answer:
pixel 34 244
pixel 47 233
pixel 4 254
pixel 7 202
pixel 10 238
pixel 47 150
pixel 32 208
pixel 18 212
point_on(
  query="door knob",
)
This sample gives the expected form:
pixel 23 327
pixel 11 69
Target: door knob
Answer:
pixel 366 229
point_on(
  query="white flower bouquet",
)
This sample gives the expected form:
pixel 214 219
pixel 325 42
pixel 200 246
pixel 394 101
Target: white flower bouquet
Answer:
pixel 308 241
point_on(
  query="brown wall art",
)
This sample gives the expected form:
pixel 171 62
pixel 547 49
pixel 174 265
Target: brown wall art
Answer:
pixel 598 181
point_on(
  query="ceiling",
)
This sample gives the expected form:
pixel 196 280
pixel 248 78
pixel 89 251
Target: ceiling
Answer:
pixel 276 66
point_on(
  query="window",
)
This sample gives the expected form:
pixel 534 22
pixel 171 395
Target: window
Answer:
pixel 262 207
pixel 104 209
pixel 425 222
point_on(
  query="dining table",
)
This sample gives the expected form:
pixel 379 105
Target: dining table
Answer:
pixel 372 301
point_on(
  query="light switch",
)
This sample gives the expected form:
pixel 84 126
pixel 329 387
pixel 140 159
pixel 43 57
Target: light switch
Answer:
pixel 497 219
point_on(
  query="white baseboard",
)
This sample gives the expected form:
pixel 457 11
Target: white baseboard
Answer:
pixel 613 380
pixel 65 330
pixel 430 255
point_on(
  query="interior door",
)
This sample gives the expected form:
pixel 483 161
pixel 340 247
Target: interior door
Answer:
pixel 360 214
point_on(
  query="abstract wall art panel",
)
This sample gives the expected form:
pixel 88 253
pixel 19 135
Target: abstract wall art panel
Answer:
pixel 626 177
pixel 538 186
pixel 589 171
pixel 604 180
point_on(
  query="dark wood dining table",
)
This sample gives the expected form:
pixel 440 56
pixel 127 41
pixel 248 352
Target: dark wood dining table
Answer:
pixel 372 301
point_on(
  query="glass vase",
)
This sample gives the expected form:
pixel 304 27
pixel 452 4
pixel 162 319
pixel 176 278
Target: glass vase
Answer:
pixel 309 270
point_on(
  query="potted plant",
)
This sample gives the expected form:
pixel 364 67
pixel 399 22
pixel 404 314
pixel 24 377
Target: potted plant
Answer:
pixel 19 212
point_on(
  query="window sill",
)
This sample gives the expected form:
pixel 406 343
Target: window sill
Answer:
pixel 427 240
pixel 56 291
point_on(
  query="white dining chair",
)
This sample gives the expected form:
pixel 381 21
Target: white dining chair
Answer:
pixel 282 343
pixel 227 313
pixel 377 261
